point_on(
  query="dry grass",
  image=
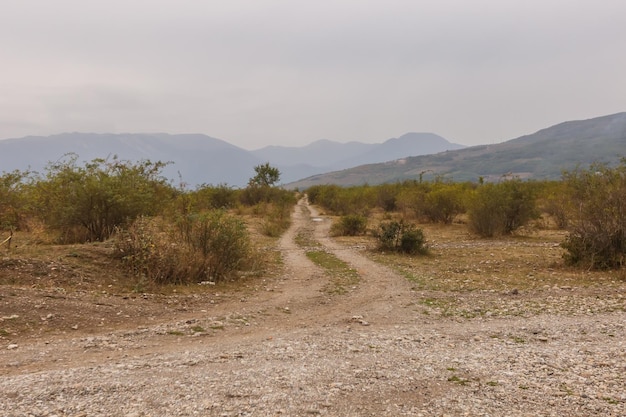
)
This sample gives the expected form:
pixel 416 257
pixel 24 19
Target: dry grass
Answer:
pixel 469 277
pixel 461 277
pixel 38 265
pixel 47 288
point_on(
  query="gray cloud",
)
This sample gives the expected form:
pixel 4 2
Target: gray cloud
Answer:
pixel 290 72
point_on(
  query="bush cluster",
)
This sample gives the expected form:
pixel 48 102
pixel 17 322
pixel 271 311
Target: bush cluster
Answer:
pixel 438 202
pixel 87 203
pixel 343 201
pixel 163 234
pixel 177 235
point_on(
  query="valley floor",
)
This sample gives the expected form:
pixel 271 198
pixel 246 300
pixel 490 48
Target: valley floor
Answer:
pixel 390 345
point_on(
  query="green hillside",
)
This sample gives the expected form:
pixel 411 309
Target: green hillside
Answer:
pixel 542 155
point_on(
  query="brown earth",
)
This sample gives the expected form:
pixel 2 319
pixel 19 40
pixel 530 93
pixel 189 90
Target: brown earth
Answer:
pixel 478 327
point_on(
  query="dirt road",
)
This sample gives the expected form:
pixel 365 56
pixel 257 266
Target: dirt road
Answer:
pixel 290 348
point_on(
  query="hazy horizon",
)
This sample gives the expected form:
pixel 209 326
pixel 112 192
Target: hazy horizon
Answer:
pixel 278 72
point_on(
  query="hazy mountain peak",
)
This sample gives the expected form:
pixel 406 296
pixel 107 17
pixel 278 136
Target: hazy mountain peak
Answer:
pixel 425 139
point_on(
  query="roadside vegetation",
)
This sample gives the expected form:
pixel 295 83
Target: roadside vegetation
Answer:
pixel 110 231
pixel 161 234
pixel 589 205
pixel 488 249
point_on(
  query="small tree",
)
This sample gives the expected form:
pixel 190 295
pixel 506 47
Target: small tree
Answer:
pixel 261 186
pixel 266 176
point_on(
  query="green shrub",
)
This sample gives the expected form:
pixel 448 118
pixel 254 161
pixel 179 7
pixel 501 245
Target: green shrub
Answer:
pixel 389 234
pixel 411 201
pixel 399 236
pixel 444 202
pixel 13 201
pixel 502 208
pixel 597 230
pixel 275 214
pixel 253 195
pixel 350 225
pixel 413 242
pixel 207 197
pixel 89 202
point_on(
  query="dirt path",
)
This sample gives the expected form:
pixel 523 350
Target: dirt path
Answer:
pixel 290 348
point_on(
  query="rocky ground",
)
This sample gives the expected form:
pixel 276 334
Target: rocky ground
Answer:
pixel 388 346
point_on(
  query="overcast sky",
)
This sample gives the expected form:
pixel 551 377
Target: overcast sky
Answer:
pixel 289 72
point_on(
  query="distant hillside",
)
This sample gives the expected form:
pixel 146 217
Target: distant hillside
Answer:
pixel 202 159
pixel 542 155
pixel 325 155
pixel 197 158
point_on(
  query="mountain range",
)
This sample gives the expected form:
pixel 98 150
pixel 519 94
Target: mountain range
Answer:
pixel 199 159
